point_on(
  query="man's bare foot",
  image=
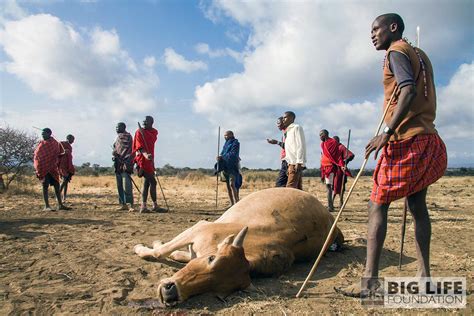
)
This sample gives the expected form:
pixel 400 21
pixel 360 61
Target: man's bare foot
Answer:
pixel 355 290
pixel 48 209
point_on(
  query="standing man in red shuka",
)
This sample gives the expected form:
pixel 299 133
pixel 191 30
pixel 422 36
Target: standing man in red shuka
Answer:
pixel 413 156
pixel 144 149
pixel 66 167
pixel 331 160
pixel 340 178
pixel 45 161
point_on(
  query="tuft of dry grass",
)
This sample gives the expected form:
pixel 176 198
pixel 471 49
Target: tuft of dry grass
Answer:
pixel 260 176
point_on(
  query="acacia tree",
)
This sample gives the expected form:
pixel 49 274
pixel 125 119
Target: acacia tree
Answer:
pixel 16 154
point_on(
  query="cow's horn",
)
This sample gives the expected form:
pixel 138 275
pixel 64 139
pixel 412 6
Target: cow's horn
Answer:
pixel 239 239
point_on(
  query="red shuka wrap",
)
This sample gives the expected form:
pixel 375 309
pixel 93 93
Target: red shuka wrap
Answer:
pixel 146 145
pixel 65 161
pixel 45 159
pixel 331 157
pixel 339 176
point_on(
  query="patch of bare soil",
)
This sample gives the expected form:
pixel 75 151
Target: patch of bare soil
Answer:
pixel 82 261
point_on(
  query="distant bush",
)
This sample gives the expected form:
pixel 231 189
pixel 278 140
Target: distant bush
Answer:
pixel 260 176
pixel 16 154
pixel 196 176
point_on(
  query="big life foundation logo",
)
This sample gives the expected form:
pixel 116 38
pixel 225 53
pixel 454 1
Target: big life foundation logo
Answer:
pixel 410 292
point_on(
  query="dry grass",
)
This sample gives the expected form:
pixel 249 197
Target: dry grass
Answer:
pixel 82 261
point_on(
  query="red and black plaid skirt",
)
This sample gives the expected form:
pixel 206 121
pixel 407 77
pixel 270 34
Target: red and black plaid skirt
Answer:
pixel 408 166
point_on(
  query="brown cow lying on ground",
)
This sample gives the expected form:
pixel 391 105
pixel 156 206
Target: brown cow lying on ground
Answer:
pixel 274 227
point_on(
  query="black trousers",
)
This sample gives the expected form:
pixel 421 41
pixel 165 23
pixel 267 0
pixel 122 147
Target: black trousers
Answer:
pixel 149 185
pixel 283 175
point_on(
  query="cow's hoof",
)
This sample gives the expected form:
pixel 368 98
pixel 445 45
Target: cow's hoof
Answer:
pixel 137 248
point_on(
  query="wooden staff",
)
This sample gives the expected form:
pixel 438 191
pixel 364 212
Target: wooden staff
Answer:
pixel 154 170
pixel 217 171
pixel 333 227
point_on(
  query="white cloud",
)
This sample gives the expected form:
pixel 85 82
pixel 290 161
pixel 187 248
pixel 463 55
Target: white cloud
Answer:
pixel 177 62
pixel 149 61
pixel 9 9
pixel 105 42
pixel 455 110
pixel 55 59
pixel 203 48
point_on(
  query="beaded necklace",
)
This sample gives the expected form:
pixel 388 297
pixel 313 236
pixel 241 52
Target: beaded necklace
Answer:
pixel 422 63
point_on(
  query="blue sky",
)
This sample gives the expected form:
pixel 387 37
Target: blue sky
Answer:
pixel 80 67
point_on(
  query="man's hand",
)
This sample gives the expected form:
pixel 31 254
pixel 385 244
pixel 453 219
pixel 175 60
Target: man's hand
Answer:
pixel 219 158
pixel 272 141
pixel 376 143
pixel 147 156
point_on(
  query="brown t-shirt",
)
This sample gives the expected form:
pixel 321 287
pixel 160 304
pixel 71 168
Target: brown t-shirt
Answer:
pixel 421 115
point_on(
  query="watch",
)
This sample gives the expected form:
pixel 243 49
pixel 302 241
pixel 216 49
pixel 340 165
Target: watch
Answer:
pixel 387 130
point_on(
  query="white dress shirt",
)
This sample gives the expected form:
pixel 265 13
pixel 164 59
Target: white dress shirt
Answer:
pixel 295 145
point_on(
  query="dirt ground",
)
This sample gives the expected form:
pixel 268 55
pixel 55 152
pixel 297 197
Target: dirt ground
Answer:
pixel 82 261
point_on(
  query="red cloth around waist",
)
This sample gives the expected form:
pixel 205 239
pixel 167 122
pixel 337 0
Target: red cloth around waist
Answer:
pixel 408 166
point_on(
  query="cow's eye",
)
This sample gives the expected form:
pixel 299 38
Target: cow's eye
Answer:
pixel 211 259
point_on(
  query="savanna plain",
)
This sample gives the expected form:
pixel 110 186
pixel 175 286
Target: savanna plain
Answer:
pixel 82 261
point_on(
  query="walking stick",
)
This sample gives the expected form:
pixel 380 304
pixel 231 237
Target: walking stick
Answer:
pixel 217 171
pixel 134 184
pixel 154 170
pixel 333 227
pixel 402 240
pixel 344 176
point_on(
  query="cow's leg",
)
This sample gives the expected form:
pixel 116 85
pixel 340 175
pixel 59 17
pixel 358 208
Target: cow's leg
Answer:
pixel 183 256
pixel 163 251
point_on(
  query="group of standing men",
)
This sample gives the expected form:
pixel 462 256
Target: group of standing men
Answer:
pixel 52 160
pixel 138 150
pixel 334 158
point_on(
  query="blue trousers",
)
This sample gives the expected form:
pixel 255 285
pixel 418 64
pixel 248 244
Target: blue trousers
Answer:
pixel 124 182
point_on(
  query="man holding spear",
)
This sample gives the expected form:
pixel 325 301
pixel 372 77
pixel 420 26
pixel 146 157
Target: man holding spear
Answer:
pixel 413 155
pixel 144 149
pixel 123 165
pixel 45 161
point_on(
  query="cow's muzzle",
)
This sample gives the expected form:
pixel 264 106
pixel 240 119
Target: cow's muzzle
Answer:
pixel 168 293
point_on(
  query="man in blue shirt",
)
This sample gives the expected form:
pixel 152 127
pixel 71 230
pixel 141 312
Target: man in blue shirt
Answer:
pixel 229 163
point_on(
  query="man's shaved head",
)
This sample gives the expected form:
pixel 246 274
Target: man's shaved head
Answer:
pixel 70 138
pixel 390 18
pixel 228 135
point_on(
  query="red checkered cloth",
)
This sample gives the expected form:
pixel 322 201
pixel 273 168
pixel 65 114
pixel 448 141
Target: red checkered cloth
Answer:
pixel 408 166
pixel 45 159
pixel 65 161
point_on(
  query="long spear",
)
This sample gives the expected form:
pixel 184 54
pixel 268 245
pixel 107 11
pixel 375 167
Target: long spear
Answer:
pixel 405 208
pixel 154 170
pixel 217 171
pixel 333 227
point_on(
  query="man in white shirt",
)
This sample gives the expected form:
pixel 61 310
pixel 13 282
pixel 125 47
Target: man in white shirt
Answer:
pixel 295 147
